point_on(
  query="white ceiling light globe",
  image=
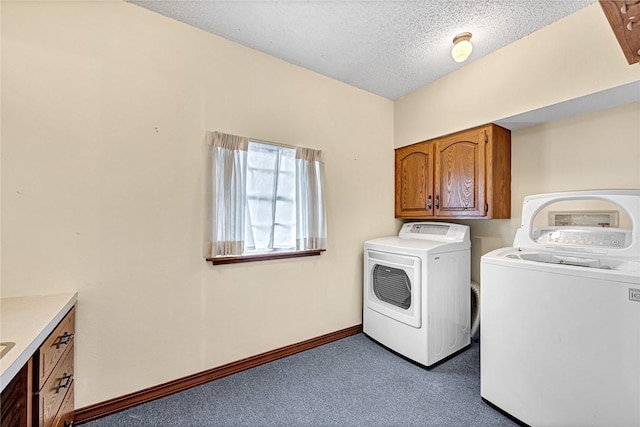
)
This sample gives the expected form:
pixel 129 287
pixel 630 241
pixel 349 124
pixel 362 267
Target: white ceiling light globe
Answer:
pixel 462 47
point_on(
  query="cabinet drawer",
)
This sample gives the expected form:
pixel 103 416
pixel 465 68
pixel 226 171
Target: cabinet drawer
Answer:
pixel 65 416
pixel 57 386
pixel 55 345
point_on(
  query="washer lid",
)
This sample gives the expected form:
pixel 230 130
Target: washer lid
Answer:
pixel 605 268
pixel 599 241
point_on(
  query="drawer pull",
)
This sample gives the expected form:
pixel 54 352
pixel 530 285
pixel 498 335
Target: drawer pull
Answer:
pixel 67 424
pixel 64 382
pixel 64 339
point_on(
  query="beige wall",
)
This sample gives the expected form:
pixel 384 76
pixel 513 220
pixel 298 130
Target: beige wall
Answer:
pixel 571 58
pixel 104 110
pixel 593 151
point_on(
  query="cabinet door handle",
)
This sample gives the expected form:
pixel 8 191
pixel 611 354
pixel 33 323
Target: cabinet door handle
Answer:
pixel 629 6
pixel 64 382
pixel 437 201
pixel 64 339
pixel 429 202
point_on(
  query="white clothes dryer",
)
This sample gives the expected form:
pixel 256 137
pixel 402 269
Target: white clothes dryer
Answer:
pixel 416 291
pixel 560 316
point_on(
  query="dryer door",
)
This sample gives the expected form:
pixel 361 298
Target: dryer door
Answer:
pixel 392 285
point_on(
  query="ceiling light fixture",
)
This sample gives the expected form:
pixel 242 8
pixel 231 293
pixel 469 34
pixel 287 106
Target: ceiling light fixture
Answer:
pixel 462 47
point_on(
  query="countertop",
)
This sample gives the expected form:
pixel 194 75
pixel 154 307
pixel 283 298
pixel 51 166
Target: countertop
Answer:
pixel 27 321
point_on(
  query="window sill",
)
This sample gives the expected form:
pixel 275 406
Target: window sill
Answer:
pixel 264 257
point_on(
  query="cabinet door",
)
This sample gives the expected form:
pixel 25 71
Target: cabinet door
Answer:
pixel 414 181
pixel 460 174
pixel 623 16
pixel 15 406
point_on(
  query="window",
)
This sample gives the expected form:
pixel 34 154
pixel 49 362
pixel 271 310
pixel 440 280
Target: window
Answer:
pixel 267 200
pixel 271 198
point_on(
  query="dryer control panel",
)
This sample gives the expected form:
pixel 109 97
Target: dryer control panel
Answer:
pixel 438 231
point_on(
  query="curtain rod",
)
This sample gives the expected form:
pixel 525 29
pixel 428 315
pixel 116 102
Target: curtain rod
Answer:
pixel 293 147
pixel 279 144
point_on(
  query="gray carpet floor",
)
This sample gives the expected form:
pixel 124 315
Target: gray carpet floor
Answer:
pixel 350 382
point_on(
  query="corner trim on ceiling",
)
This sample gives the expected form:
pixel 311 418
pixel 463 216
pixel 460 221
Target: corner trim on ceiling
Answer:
pixel 602 100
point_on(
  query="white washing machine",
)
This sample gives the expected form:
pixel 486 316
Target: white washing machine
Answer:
pixel 560 316
pixel 416 291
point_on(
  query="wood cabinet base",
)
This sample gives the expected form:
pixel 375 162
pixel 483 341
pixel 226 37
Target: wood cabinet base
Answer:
pixel 53 376
pixel 15 401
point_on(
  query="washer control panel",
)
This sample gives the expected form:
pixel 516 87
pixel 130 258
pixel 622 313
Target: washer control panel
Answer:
pixel 600 237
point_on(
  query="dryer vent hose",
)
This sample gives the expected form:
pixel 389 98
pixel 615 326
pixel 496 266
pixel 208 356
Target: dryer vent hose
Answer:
pixel 475 309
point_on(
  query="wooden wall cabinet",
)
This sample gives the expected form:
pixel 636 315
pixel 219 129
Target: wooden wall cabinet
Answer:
pixel 462 175
pixel 624 18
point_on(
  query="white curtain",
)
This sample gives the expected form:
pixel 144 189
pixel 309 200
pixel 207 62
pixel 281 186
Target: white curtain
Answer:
pixel 311 230
pixel 271 193
pixel 229 161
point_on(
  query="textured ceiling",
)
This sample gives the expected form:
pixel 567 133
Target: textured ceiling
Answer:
pixel 389 48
